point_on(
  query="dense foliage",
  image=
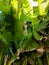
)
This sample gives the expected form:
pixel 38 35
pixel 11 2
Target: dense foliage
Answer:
pixel 24 32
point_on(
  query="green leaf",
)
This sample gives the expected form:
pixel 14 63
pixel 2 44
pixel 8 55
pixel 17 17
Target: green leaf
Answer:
pixel 5 6
pixel 8 36
pixel 42 25
pixel 22 16
pixel 25 41
pixel 36 35
pixel 3 44
pixel 32 45
pixel 39 61
pixel 0 58
pixel 28 43
pixel 47 54
pixel 3 39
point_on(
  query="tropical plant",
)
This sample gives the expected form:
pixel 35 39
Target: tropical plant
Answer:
pixel 24 32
